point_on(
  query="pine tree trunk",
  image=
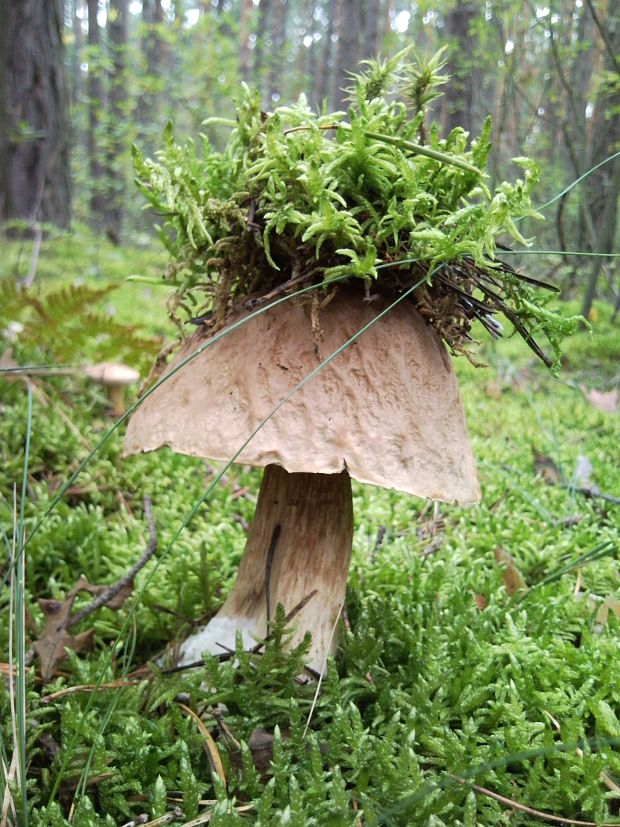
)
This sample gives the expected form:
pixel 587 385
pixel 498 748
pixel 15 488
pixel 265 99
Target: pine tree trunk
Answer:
pixel 325 69
pixel 459 94
pixel 96 109
pixel 278 38
pixel 153 53
pixel 349 29
pixel 244 35
pixel 116 117
pixel 34 130
pixel 370 43
pixel 603 186
pixel 264 13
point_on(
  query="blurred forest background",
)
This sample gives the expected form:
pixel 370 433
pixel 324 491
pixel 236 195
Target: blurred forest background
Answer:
pixel 81 80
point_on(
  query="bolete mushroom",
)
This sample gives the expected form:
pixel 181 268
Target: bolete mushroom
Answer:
pixel 385 411
pixel 114 377
pixel 299 200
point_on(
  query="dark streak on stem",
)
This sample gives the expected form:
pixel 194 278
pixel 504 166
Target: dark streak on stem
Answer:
pixel 268 563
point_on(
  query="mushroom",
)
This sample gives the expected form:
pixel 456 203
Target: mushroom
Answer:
pixel 385 411
pixel 114 377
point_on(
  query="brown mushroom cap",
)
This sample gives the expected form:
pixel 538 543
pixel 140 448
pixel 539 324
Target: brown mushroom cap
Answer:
pixel 112 373
pixel 387 409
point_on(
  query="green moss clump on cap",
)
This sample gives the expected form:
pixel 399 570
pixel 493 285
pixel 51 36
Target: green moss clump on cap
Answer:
pixel 298 198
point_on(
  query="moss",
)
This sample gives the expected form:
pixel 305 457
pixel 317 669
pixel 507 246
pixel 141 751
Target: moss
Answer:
pixel 374 194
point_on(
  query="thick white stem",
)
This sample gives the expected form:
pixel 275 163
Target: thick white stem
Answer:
pixel 311 551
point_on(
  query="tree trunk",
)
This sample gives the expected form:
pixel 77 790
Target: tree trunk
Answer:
pixel 277 57
pixel 370 42
pixel 34 131
pixel 153 58
pixel 458 99
pixel 264 13
pixel 96 109
pixel 349 28
pixel 244 35
pixel 603 186
pixel 311 553
pixel 116 117
pixel 325 69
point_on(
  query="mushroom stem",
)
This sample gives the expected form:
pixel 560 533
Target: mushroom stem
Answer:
pixel 313 551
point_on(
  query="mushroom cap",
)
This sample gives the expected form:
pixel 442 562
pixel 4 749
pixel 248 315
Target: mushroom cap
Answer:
pixel 387 409
pixel 112 373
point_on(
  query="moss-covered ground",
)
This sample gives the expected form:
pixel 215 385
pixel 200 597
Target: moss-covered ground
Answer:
pixel 478 675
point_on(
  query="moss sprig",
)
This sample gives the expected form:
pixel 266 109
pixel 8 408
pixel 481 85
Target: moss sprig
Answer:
pixel 375 193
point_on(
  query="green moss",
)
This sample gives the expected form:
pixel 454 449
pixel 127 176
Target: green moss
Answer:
pixel 371 194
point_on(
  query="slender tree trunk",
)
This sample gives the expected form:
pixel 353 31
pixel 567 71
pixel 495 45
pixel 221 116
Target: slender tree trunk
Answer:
pixel 244 36
pixel 34 130
pixel 278 39
pixel 603 186
pixel 264 13
pixel 96 109
pixel 153 57
pixel 458 99
pixel 370 41
pixel 324 73
pixel 76 54
pixel 116 117
pixel 349 30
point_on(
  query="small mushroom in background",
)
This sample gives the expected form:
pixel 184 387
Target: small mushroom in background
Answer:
pixel 114 378
pixel 385 411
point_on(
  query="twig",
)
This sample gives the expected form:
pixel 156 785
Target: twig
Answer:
pixel 127 578
pixel 175 814
pixel 88 687
pixel 141 819
pixel 270 555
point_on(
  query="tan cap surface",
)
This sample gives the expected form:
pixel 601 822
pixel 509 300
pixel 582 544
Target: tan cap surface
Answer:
pixel 387 408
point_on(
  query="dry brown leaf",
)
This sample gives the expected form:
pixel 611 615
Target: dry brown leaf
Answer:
pixel 481 602
pixel 603 400
pixel 261 747
pixel 545 467
pixel 512 577
pixel 610 602
pixel 55 638
pixel 493 390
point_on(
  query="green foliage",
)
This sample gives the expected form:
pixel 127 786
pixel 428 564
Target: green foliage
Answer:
pixel 297 198
pixel 64 324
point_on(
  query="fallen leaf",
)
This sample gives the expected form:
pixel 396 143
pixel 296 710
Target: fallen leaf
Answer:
pixel 546 468
pixel 493 390
pixel 55 640
pixel 512 577
pixel 610 602
pixel 603 400
pixel 55 637
pixel 261 747
pixel 481 602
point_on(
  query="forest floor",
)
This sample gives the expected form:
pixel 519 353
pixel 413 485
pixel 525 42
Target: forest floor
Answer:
pixel 477 680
